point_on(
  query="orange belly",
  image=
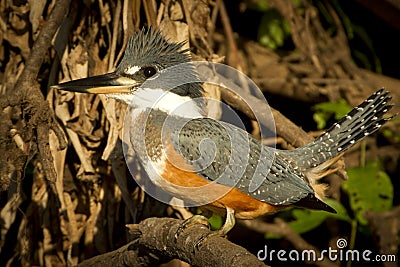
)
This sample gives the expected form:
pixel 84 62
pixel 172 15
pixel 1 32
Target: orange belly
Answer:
pixel 188 185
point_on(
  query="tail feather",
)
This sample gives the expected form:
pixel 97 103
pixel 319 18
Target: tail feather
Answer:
pixel 311 202
pixel 362 121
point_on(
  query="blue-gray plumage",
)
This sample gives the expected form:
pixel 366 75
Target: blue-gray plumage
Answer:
pixel 238 158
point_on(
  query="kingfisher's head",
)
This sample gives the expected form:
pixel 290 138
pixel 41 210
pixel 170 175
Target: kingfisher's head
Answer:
pixel 152 70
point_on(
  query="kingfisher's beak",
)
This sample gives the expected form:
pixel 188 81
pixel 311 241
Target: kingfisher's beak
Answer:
pixel 110 83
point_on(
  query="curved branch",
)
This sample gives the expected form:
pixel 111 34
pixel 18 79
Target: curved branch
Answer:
pixel 284 127
pixel 26 92
pixel 155 243
pixel 23 87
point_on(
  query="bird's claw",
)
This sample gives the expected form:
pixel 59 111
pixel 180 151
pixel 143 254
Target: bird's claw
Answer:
pixel 199 219
pixel 196 219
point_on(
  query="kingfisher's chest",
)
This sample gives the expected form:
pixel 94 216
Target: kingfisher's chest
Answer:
pixel 155 135
pixel 149 135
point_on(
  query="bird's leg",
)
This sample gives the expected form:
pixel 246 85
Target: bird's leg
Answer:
pixel 228 225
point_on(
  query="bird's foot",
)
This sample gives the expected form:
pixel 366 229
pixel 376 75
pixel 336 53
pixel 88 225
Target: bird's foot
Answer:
pixel 196 219
pixel 200 219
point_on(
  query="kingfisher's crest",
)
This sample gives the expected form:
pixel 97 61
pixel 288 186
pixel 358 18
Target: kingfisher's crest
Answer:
pixel 150 48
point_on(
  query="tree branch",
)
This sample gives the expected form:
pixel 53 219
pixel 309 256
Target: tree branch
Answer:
pixel 284 127
pixel 26 93
pixel 155 243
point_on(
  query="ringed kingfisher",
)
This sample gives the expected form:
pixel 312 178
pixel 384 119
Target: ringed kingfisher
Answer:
pixel 286 173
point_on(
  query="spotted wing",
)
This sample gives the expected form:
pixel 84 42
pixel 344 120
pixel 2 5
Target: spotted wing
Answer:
pixel 224 153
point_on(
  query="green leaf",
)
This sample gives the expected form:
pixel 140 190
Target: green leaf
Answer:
pixel 307 220
pixel 273 29
pixel 323 111
pixel 369 189
pixel 339 108
pixel 341 212
pixel 321 119
pixel 216 222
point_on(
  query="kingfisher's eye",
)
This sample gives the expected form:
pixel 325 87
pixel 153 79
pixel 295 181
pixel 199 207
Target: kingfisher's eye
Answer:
pixel 149 71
